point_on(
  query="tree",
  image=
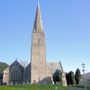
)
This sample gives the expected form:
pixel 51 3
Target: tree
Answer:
pixel 72 78
pixel 3 66
pixel 77 76
pixel 68 78
pixel 1 79
pixel 57 76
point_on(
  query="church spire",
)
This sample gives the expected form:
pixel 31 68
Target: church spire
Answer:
pixel 38 26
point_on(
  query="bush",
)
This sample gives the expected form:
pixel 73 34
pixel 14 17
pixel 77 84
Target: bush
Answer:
pixel 70 78
pixel 77 76
pixel 57 76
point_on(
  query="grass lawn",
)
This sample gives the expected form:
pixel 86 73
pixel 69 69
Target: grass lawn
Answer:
pixel 32 87
pixel 40 87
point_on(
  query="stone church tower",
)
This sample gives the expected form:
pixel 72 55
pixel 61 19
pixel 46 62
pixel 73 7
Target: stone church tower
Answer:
pixel 38 50
pixel 38 71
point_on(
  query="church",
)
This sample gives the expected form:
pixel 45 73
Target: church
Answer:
pixel 38 70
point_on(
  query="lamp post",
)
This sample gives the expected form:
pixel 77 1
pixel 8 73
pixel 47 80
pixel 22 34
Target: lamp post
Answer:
pixel 83 66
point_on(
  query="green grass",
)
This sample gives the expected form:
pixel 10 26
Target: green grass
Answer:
pixel 40 87
pixel 32 87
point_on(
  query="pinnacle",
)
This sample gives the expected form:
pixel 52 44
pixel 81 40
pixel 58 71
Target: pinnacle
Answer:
pixel 38 4
pixel 38 20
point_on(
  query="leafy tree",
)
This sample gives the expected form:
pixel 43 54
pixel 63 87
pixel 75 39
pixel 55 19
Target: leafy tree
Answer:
pixel 77 76
pixel 72 78
pixel 57 76
pixel 1 79
pixel 68 78
pixel 3 66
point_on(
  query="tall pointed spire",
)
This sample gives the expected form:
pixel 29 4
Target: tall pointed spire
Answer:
pixel 38 26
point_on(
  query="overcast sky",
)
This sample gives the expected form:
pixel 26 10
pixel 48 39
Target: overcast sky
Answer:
pixel 66 25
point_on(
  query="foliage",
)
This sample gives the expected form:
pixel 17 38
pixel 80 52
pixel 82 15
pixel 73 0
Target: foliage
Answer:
pixel 70 78
pixel 77 76
pixel 1 77
pixel 57 76
pixel 3 66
